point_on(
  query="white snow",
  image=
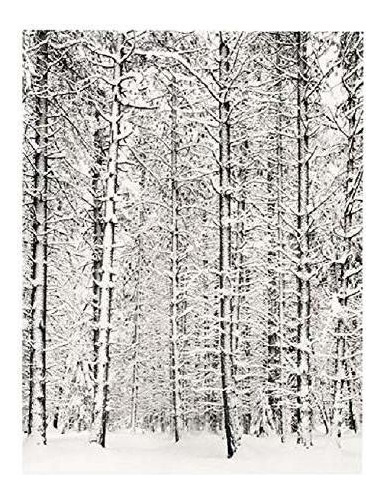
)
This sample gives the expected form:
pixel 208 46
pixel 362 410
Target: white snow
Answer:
pixel 196 453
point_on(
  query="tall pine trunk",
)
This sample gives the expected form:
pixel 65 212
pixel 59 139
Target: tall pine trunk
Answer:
pixel 97 241
pixel 303 280
pixel 280 285
pixel 280 281
pixel 137 316
pixel 37 425
pixel 228 384
pixel 174 272
pixel 273 355
pixel 344 326
pixel 99 419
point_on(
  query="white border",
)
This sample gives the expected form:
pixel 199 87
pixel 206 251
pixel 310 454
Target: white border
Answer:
pixel 256 15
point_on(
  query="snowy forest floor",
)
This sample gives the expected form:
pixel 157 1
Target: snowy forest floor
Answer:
pixel 196 453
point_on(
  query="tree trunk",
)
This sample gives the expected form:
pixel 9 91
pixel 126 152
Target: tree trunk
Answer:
pixel 281 305
pixel 273 355
pixel 174 272
pixel 39 251
pixel 228 385
pixel 343 327
pixel 137 318
pixel 97 244
pixel 303 283
pixel 237 265
pixel 108 235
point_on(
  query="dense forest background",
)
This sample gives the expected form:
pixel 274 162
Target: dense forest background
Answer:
pixel 192 233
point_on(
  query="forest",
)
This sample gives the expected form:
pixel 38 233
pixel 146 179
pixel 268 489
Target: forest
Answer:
pixel 192 236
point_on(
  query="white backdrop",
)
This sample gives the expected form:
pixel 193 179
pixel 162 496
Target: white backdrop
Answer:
pixel 272 15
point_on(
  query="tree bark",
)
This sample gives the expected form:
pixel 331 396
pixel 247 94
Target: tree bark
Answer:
pixel 174 271
pixel 228 384
pixel 303 283
pixel 97 243
pixel 344 326
pixel 39 252
pixel 98 430
pixel 273 355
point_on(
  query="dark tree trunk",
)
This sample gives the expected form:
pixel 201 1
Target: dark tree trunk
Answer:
pixel 37 405
pixel 228 383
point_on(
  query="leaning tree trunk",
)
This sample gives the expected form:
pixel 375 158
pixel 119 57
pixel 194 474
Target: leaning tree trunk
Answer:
pixel 39 252
pixel 228 385
pixel 99 419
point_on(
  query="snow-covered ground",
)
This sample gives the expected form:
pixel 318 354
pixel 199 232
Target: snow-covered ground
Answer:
pixel 199 453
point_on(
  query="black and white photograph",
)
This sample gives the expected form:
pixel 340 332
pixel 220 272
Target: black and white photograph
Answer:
pixel 192 251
